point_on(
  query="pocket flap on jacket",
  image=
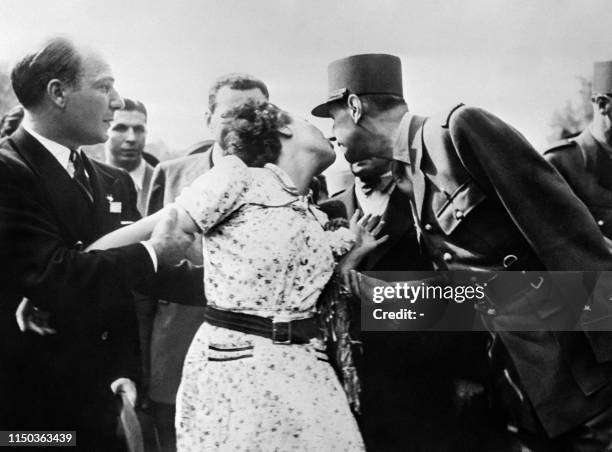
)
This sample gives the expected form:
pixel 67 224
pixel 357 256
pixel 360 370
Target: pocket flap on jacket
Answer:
pixel 458 206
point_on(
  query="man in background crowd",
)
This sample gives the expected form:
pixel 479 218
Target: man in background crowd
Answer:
pixel 586 160
pixel 11 121
pixel 174 325
pixel 125 146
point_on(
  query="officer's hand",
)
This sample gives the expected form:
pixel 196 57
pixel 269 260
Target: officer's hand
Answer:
pixel 169 240
pixel 30 318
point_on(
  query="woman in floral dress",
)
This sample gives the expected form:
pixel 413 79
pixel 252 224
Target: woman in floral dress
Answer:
pixel 266 254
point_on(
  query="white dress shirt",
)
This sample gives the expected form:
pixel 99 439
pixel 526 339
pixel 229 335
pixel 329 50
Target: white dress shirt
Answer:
pixel 217 153
pixel 375 202
pixel 138 175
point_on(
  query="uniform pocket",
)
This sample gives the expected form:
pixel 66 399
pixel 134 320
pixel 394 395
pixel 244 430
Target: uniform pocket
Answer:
pixel 459 204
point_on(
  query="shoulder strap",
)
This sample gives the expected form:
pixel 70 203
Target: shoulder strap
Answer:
pixel 589 153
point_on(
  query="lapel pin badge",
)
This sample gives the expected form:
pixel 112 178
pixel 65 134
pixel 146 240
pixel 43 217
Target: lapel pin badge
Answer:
pixel 113 206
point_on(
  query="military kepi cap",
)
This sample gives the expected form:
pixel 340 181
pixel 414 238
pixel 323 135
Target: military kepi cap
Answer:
pixel 602 77
pixel 371 73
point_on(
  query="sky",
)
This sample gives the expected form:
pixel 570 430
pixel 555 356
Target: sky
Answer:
pixel 517 58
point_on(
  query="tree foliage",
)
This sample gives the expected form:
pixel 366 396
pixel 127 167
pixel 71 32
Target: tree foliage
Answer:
pixel 575 115
pixel 7 96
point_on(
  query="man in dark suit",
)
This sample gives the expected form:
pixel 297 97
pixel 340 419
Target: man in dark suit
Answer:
pixel 174 325
pixel 373 192
pixel 125 147
pixel 54 201
pixel 585 161
pixel 11 120
pixel 409 362
pixel 483 199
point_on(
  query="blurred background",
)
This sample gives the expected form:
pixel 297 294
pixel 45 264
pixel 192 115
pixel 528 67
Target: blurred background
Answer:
pixel 527 61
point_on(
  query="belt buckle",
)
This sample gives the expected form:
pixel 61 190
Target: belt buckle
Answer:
pixel 281 334
pixel 536 285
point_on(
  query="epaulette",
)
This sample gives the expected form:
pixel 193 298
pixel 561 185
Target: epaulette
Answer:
pixel 563 144
pixel 450 113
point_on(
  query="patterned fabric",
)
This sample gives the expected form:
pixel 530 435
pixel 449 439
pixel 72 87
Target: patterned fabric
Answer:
pixel 265 253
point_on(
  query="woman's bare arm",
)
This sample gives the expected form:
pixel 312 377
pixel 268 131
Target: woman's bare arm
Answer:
pixel 141 230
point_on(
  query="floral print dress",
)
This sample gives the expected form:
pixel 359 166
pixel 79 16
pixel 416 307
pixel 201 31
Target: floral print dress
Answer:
pixel 266 254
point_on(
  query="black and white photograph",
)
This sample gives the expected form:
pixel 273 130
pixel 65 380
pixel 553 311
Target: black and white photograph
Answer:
pixel 306 225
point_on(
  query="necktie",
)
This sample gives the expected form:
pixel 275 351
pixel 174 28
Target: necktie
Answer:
pixel 79 176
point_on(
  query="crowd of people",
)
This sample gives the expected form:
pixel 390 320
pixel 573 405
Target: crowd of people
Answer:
pixel 193 294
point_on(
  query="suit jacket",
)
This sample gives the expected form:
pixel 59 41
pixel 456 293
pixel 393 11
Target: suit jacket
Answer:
pixel 484 199
pixel 422 366
pixel 45 223
pixel 587 168
pixel 143 193
pixel 174 325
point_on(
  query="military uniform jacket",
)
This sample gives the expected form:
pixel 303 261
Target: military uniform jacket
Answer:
pixel 485 200
pixel 587 168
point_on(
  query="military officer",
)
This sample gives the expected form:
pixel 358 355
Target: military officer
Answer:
pixel 586 160
pixel 483 199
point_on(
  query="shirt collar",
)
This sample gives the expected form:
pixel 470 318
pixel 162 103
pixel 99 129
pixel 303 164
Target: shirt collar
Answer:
pixel 59 151
pixel 401 145
pixel 138 175
pixel 283 178
pixel 217 153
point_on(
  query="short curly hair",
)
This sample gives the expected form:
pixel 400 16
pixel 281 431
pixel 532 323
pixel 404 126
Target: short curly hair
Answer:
pixel 251 132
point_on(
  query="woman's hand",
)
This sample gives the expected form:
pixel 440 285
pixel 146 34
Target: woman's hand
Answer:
pixel 366 229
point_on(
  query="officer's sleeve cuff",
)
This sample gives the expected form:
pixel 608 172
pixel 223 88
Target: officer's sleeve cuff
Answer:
pixel 152 253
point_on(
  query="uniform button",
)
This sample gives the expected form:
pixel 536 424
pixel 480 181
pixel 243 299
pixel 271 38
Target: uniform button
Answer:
pixel 600 222
pixel 104 335
pixel 458 214
pixel 447 257
pixel 428 227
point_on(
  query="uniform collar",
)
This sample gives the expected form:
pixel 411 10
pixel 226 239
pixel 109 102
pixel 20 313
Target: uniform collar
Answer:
pixel 401 142
pixel 605 146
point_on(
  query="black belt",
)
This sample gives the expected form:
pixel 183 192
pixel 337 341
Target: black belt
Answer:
pixel 281 332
